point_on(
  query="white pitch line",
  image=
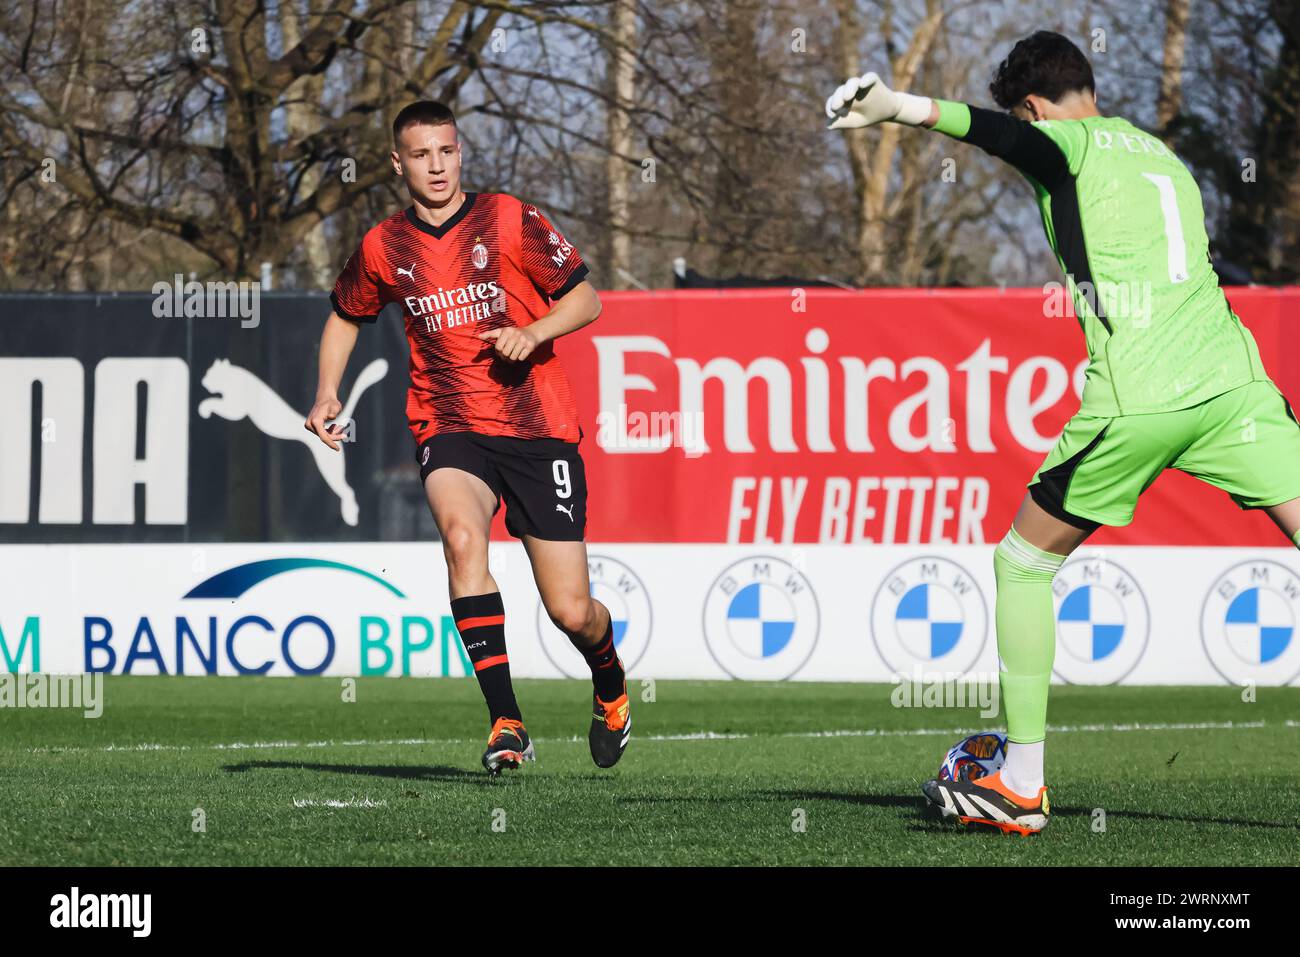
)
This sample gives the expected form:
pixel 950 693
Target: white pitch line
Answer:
pixel 689 736
pixel 334 802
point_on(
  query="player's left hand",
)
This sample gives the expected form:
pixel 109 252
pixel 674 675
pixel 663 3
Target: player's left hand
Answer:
pixel 512 343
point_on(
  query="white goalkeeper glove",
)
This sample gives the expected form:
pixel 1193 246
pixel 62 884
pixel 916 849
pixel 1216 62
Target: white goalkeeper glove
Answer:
pixel 865 101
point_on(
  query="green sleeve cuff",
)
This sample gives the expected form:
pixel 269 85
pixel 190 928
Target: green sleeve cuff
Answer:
pixel 954 118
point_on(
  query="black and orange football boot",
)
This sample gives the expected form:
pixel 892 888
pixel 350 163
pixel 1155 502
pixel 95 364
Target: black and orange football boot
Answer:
pixel 508 746
pixel 611 726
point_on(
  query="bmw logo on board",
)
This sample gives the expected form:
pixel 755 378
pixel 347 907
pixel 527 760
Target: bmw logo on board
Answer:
pixel 1102 621
pixel 761 619
pixel 929 613
pixel 1248 623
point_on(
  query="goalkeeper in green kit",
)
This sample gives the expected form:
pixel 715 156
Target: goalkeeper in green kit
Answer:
pixel 1173 378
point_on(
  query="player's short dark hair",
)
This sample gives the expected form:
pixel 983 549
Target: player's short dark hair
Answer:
pixel 429 112
pixel 1045 64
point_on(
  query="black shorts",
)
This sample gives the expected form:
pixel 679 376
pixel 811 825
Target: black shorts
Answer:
pixel 542 481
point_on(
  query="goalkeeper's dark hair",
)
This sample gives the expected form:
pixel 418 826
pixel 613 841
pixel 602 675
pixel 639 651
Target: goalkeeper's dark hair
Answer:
pixel 430 112
pixel 1045 64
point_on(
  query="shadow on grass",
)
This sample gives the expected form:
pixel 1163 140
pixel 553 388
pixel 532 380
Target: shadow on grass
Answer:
pixel 849 797
pixel 876 800
pixel 402 772
pixel 1058 811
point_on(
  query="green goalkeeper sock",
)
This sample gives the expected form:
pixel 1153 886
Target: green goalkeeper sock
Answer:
pixel 1026 623
pixel 1296 538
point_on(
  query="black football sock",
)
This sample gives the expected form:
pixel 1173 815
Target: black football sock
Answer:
pixel 481 621
pixel 606 670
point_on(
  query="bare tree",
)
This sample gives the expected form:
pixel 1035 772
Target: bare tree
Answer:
pixel 209 136
pixel 1170 100
pixel 872 154
pixel 619 123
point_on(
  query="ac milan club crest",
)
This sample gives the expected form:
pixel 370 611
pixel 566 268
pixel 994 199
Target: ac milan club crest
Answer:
pixel 479 255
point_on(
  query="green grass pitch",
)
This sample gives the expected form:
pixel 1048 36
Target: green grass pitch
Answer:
pixel 716 773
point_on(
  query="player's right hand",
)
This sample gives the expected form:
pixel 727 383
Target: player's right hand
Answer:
pixel 325 410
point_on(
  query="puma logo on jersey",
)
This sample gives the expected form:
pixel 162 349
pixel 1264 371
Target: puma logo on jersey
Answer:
pixel 408 273
pixel 567 511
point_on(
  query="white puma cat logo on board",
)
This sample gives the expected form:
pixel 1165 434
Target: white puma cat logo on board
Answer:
pixel 238 394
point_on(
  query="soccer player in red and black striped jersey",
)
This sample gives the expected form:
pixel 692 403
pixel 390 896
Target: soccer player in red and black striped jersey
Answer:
pixel 485 285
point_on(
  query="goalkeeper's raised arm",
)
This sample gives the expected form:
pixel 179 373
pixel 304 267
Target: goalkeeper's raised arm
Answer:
pixel 1043 153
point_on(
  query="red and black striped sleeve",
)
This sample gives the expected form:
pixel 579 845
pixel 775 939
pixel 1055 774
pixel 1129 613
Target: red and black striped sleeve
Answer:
pixel 548 259
pixel 356 291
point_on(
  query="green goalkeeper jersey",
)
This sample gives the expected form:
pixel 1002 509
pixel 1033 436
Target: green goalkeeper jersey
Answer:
pixel 1124 218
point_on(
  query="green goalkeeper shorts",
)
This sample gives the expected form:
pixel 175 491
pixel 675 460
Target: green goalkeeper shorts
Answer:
pixel 1246 442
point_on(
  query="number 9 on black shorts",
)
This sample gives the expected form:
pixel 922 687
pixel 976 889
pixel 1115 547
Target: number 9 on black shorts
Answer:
pixel 542 481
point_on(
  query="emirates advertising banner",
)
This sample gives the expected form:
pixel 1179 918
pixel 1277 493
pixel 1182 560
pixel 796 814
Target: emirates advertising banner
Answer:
pixel 785 484
pixel 880 417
